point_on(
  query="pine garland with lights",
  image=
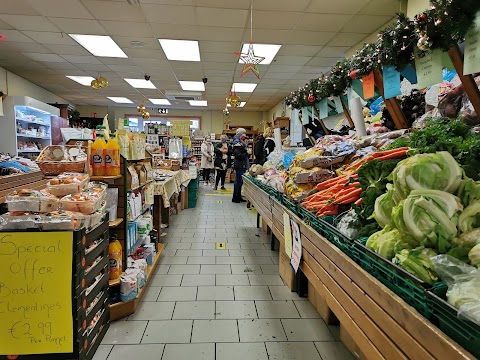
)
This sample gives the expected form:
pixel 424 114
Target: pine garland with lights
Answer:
pixel 440 27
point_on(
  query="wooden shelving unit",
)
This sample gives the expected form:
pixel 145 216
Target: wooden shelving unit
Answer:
pixel 114 224
pixel 123 309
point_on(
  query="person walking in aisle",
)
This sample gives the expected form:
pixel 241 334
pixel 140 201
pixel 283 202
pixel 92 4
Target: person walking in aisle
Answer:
pixel 222 160
pixel 269 145
pixel 258 151
pixel 240 163
pixel 207 158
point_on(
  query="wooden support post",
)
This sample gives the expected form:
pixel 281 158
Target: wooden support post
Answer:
pixel 392 104
pixel 312 140
pixel 327 132
pixel 468 81
pixel 347 113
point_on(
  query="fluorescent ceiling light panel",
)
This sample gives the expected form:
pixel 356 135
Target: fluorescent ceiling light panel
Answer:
pixel 160 101
pixel 198 102
pixel 268 51
pixel 84 80
pixel 180 50
pixel 100 45
pixel 120 100
pixel 140 83
pixel 243 87
pixel 192 85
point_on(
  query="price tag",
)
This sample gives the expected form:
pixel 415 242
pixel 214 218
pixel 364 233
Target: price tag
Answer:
pixel 323 108
pixel 429 69
pixel 472 49
pixel 368 83
pixel 391 82
pixel 36 293
pixel 296 246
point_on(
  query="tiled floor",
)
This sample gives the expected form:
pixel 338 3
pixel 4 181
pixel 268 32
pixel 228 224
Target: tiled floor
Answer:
pixel 208 304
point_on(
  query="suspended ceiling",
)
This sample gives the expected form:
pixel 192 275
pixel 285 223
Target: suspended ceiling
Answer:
pixel 314 34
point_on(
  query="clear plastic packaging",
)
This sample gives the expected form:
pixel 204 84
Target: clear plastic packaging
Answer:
pixel 18 221
pixel 63 221
pixel 67 183
pixel 97 216
pixel 86 202
pixel 32 201
pixel 344 224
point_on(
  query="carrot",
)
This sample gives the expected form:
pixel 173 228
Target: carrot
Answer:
pixel 359 202
pixel 396 155
pixel 326 213
pixel 355 193
pixel 387 152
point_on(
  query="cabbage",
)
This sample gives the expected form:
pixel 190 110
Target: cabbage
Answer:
pixel 470 218
pixel 383 209
pixel 431 217
pixel 437 171
pixel 469 191
pixel 467 240
pixel 418 263
pixel 386 242
pixel 474 255
pixel 372 240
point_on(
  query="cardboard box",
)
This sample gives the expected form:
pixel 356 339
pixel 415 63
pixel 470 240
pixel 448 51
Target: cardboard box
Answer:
pixel 132 177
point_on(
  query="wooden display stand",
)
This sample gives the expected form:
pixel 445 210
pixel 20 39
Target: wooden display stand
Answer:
pixel 10 183
pixel 375 322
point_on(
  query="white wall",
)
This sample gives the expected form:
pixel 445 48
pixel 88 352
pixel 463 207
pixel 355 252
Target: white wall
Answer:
pixel 416 6
pixel 14 85
pixel 212 121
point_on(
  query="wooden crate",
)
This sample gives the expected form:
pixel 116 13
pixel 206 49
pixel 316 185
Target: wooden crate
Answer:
pixel 11 183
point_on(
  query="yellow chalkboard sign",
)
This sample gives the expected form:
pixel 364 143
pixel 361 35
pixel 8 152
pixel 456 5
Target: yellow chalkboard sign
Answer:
pixel 181 127
pixel 35 293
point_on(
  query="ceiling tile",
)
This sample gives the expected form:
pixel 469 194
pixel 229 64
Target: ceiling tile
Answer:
pixel 273 81
pixel 151 62
pixel 60 65
pixel 292 60
pixel 92 67
pixel 275 67
pixel 145 53
pixel 24 47
pixel 127 28
pixel 61 8
pixel 319 61
pixel 51 38
pixel 220 74
pixel 79 26
pixel 169 14
pixel 125 42
pixel 382 7
pixel 315 70
pixel 169 2
pixel 212 33
pixel 185 65
pixel 333 51
pixel 222 17
pixel 237 4
pixel 276 75
pixel 29 22
pixel 4 25
pixel 15 35
pixel 115 61
pixel 336 6
pixel 297 5
pixel 173 31
pixel 67 49
pixel 366 24
pixel 219 57
pixel 302 50
pixel 45 57
pixel 79 59
pixel 113 10
pixel 126 69
pixel 219 46
pixel 264 36
pixel 274 20
pixel 323 22
pixel 300 37
pixel 346 39
pixel 21 7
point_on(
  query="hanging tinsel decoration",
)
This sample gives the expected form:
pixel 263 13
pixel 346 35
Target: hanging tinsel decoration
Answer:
pixel 99 82
pixel 143 111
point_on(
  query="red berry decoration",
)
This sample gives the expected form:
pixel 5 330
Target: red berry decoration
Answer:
pixel 311 98
pixel 353 74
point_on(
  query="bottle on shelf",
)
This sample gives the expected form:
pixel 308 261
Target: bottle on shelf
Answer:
pixel 112 157
pixel 98 154
pixel 115 258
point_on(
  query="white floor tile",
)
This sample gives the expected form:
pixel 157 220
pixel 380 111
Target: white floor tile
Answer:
pixel 246 269
pixel 215 293
pixel 261 330
pixel 198 280
pixel 194 310
pixel 180 293
pixel 214 331
pixel 170 260
pixel 128 352
pixel 102 352
pixel 306 310
pixel 189 352
pixel 307 330
pixel 169 331
pixel 151 293
pixel 153 311
pixel 215 269
pixel 256 279
pixel 234 260
pixel 292 351
pixel 241 351
pixel 331 351
pixel 284 293
pixel 235 310
pixel 166 280
pixel 222 280
pixel 125 332
pixel 184 269
pixel 252 293
pixel 201 260
pixel 283 309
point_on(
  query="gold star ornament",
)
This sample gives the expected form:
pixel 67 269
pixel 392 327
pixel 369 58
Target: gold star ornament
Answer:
pixel 250 61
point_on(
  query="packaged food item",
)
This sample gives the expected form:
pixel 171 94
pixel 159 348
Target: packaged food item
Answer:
pixel 98 156
pixel 112 158
pixel 62 221
pixel 124 142
pixel 128 287
pixel 132 178
pixel 67 183
pixel 97 217
pixel 142 174
pixel 315 176
pixel 18 221
pixel 32 201
pixel 86 202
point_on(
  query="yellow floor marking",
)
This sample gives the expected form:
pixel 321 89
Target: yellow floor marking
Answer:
pixel 220 246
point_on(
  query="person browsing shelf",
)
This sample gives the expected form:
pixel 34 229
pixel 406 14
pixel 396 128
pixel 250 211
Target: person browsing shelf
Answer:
pixel 221 162
pixel 206 163
pixel 240 163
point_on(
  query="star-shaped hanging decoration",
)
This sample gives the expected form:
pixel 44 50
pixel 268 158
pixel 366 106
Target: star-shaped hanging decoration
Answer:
pixel 250 61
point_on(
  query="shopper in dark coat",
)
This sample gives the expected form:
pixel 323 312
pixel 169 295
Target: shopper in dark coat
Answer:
pixel 258 150
pixel 269 145
pixel 222 161
pixel 240 163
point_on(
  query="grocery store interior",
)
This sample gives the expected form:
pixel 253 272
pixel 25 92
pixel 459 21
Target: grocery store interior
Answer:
pixel 248 179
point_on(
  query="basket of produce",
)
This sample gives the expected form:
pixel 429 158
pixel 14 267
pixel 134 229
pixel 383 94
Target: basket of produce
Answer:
pixel 57 159
pixel 445 316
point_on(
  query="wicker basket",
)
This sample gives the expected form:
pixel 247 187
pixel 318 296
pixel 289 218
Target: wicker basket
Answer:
pixel 56 167
pixel 175 165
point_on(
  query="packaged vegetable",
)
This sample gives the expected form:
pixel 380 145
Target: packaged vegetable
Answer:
pixel 67 183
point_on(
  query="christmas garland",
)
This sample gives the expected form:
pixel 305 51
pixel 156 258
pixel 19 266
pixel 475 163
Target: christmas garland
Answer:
pixel 440 27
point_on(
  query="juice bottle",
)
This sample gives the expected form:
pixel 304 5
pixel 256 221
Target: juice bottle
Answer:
pixel 98 156
pixel 112 157
pixel 115 256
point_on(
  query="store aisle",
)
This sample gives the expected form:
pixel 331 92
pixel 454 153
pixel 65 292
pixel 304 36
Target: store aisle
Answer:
pixel 206 304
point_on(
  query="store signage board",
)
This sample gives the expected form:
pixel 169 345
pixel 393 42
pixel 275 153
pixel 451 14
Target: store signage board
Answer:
pixel 296 246
pixel 472 49
pixel 36 293
pixel 287 234
pixel 429 69
pixel 181 127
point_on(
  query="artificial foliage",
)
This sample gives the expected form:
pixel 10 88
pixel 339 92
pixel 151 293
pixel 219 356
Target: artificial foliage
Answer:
pixel 442 26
